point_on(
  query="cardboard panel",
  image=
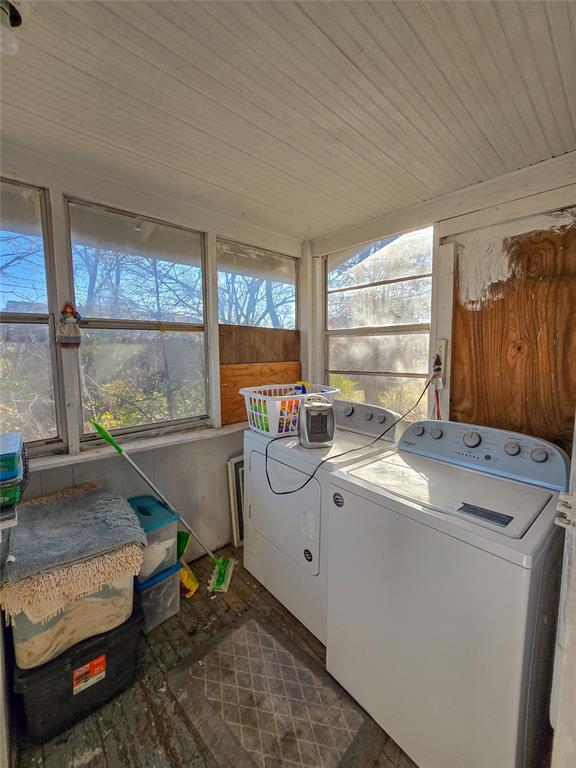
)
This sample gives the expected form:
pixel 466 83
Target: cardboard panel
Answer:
pixel 245 344
pixel 235 377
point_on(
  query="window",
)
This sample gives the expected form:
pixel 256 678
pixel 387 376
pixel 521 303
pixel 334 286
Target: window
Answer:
pixel 139 287
pixel 378 310
pixel 255 287
pixel 27 358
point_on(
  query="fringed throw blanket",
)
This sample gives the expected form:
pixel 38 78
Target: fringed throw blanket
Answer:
pixel 67 546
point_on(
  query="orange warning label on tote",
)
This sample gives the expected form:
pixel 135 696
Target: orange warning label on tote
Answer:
pixel 88 674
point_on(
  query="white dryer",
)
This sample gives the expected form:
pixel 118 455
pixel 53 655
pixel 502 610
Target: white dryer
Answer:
pixel 444 565
pixel 285 536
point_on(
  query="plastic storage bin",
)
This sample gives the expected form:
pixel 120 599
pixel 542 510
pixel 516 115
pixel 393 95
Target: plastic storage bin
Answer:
pixel 10 456
pixel 160 525
pixel 58 694
pixel 273 410
pixel 11 490
pixel 36 644
pixel 160 597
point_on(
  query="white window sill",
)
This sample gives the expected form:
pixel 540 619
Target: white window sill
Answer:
pixel 134 446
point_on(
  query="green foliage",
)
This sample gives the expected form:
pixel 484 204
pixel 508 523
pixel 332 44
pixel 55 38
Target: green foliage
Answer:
pixel 395 393
pixel 382 285
pixel 134 377
pixel 26 393
pixel 348 387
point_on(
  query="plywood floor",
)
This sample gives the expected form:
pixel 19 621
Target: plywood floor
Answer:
pixel 144 728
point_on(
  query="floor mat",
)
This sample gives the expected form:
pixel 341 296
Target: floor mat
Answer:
pixel 257 700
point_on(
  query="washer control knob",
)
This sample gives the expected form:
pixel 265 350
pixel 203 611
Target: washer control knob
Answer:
pixel 418 430
pixel 368 415
pixel 512 448
pixel 539 455
pixel 472 439
pixel 380 418
pixel 436 433
pixel 348 410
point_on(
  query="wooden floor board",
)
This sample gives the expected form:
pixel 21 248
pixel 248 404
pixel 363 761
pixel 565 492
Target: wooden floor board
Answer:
pixel 146 727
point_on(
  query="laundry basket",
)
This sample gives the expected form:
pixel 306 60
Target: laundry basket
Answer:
pixel 273 409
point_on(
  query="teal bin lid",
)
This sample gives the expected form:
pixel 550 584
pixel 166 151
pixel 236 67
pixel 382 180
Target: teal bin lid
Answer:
pixel 152 513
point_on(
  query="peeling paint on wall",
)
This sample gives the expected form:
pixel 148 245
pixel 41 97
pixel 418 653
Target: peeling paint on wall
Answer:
pixel 483 255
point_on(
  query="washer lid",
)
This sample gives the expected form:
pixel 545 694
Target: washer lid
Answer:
pixel 504 506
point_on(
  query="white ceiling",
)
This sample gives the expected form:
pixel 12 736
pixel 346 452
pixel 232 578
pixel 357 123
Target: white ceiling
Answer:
pixel 305 117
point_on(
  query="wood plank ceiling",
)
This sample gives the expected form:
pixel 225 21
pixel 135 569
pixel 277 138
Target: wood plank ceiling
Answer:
pixel 303 117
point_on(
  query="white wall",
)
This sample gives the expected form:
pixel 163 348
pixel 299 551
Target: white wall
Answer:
pixel 192 476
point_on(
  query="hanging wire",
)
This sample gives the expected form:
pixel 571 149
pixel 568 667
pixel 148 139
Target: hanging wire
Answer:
pixel 344 453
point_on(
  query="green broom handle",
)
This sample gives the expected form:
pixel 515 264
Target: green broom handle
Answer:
pixel 105 435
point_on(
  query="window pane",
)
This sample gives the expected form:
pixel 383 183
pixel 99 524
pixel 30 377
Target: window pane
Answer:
pixel 394 392
pixel 401 352
pixel 128 268
pixel 403 303
pixel 136 377
pixel 26 388
pixel 255 287
pixel 388 259
pixel 22 266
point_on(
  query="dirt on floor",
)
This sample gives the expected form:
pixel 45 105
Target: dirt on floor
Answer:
pixel 145 727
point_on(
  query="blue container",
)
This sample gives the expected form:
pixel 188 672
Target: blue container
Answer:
pixel 160 525
pixel 11 467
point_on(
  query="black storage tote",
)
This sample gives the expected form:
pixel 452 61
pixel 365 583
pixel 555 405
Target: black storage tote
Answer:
pixel 79 681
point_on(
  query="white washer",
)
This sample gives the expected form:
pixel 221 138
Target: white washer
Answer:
pixel 444 565
pixel 284 535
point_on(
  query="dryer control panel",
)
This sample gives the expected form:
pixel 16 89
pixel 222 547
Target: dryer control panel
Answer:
pixel 366 419
pixel 495 451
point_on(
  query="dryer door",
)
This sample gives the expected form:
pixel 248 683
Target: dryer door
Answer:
pixel 292 522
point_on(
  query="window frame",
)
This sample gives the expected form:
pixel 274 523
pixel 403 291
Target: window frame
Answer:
pixel 295 259
pixel 58 443
pixel 152 429
pixel 380 330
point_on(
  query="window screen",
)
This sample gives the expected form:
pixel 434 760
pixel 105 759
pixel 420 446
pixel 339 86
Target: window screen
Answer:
pixel 27 356
pixel 255 287
pixel 378 304
pixel 139 286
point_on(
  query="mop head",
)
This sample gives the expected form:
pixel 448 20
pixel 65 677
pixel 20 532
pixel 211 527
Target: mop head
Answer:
pixel 222 574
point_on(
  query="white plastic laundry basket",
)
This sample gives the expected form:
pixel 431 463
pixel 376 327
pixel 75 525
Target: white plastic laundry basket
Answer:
pixel 273 409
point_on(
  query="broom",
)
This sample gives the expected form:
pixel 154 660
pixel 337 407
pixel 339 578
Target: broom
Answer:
pixel 223 566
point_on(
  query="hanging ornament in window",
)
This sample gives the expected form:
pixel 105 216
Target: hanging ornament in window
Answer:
pixel 68 331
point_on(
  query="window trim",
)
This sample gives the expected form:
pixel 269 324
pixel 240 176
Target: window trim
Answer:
pixel 381 330
pixel 388 374
pixel 58 443
pixel 154 428
pixel 377 283
pixel 444 264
